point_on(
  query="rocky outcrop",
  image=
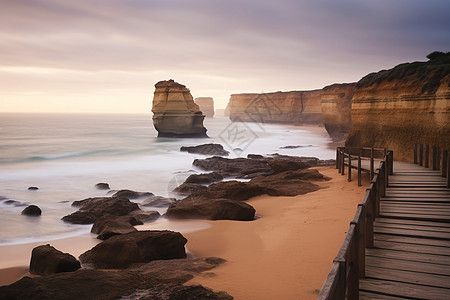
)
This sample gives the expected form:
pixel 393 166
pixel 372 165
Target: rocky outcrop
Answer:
pixel 206 149
pixel 110 225
pixel 336 110
pixel 92 209
pixel 402 106
pixel 32 210
pixel 157 280
pixel 174 112
pixel 206 105
pixel 46 259
pixel 121 251
pixel 295 107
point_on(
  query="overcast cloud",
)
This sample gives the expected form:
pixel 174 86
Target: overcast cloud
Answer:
pixel 110 51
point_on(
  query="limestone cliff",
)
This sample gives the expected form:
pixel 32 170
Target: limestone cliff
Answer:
pixel 336 110
pixel 402 106
pixel 206 105
pixel 295 107
pixel 174 112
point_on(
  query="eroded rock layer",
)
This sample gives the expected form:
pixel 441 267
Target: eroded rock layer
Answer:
pixel 336 110
pixel 206 105
pixel 174 112
pixel 295 107
pixel 402 106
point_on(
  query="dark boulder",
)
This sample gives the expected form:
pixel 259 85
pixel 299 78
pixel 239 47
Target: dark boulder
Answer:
pixel 211 209
pixel 204 178
pixel 179 292
pixel 206 149
pixel 131 194
pixel 121 251
pixel 157 201
pixel 33 188
pixel 93 208
pixel 235 190
pixel 46 259
pixel 110 225
pixel 187 189
pixel 237 167
pixel 102 186
pixel 145 216
pixel 283 165
pixel 32 210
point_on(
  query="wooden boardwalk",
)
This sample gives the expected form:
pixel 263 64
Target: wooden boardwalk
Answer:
pixel 411 254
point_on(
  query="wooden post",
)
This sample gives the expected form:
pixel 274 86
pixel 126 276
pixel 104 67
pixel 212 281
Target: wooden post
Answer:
pixel 337 158
pixel 434 158
pixel 353 272
pixel 438 158
pixel 391 165
pixel 342 279
pixel 349 167
pixel 427 156
pixel 343 162
pixel 415 154
pixel 371 164
pixel 420 155
pixel 444 163
pixel 359 169
pixel 448 170
pixel 370 198
pixel 362 241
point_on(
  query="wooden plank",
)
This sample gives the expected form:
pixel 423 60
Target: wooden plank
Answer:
pixel 411 256
pixel 413 227
pixel 412 240
pixel 408 277
pixel 425 200
pixel 412 248
pixel 417 206
pixel 436 218
pixel 414 210
pixel 411 291
pixel 412 222
pixel 369 296
pixel 405 265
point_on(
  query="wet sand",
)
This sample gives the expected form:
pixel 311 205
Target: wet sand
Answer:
pixel 287 253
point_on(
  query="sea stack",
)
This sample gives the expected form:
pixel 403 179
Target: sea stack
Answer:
pixel 174 112
pixel 206 105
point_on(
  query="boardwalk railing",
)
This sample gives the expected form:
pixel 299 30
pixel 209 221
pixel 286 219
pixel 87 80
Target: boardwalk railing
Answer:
pixel 349 157
pixel 349 264
pixel 438 160
pixel 348 267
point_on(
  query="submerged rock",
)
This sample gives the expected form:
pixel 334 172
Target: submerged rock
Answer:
pixel 206 149
pixel 32 210
pixel 174 112
pixel 121 251
pixel 158 201
pixel 33 188
pixel 46 259
pixel 102 186
pixel 131 194
pixel 204 178
pixel 145 216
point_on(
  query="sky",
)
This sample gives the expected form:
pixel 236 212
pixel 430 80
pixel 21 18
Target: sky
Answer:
pixel 105 56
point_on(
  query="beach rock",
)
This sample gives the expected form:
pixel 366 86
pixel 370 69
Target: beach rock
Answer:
pixel 206 149
pixel 160 279
pixel 33 188
pixel 110 225
pixel 131 194
pixel 135 247
pixel 32 210
pixel 158 201
pixel 211 209
pixel 204 178
pixel 255 156
pixel 174 112
pixel 13 202
pixel 46 259
pixel 283 165
pixel 93 208
pixel 187 189
pixel 179 292
pixel 206 105
pixel 102 186
pixel 145 216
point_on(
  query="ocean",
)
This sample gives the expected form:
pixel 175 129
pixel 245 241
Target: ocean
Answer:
pixel 65 155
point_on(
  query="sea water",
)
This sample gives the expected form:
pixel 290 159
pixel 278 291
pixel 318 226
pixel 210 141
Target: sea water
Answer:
pixel 65 155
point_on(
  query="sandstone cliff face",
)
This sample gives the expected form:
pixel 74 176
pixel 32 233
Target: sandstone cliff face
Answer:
pixel 402 106
pixel 206 105
pixel 296 107
pixel 174 112
pixel 336 110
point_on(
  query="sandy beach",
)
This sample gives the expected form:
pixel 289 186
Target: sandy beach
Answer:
pixel 286 253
